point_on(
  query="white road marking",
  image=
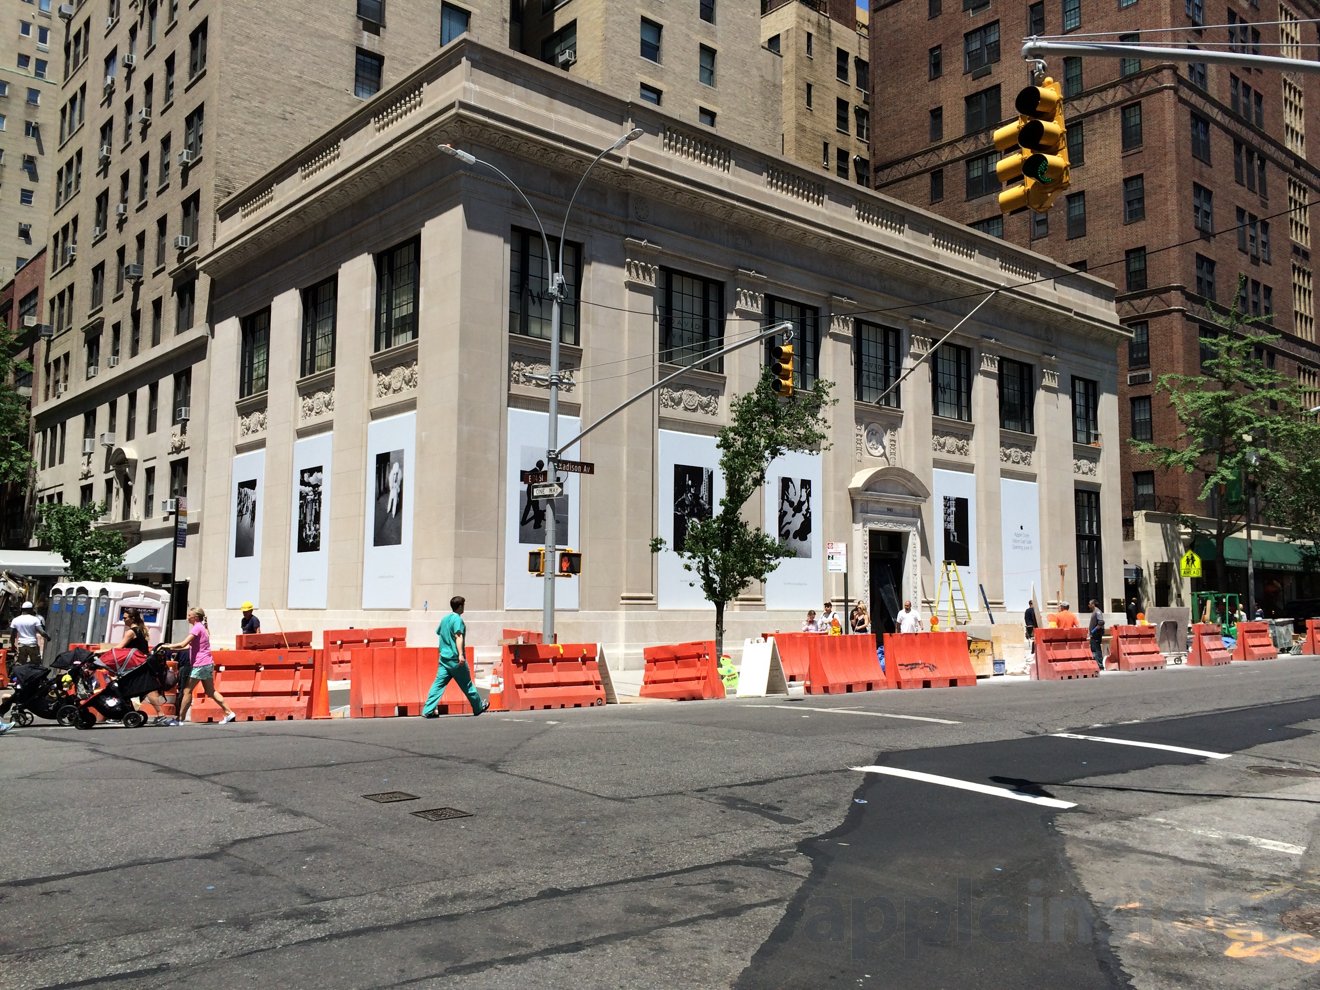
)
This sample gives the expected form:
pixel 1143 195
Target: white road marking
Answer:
pixel 1209 833
pixel 853 711
pixel 1144 745
pixel 967 785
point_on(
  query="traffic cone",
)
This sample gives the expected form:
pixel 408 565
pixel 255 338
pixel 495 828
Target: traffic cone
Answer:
pixel 495 700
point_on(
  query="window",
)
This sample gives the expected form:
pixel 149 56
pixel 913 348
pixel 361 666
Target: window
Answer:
pixel 981 110
pixel 937 123
pixel 806 337
pixel 1143 490
pixel 1040 226
pixel 1131 115
pixel 167 90
pixel 1195 9
pixel 453 22
pixel 254 353
pixel 936 185
pixel 1205 277
pixel 706 73
pixel 25 197
pixel 179 478
pixel 1200 138
pixel 691 318
pixel 841 115
pixel 1072 15
pixel 1076 208
pixel 650 94
pixel 185 301
pixel 98 286
pixel 192 211
pixel 774 44
pixel 877 363
pixel 650 40
pixel 1299 202
pixel 367 75
pixel 1249 167
pixel 1017 396
pixel 371 11
pixel 862 119
pixel 1072 76
pixel 862 74
pixel 809 94
pixel 182 395
pixel 994 226
pixel 811 45
pixel 318 336
pixel 529 297
pixel 861 170
pixel 561 47
pixel 194 127
pixel 1036 19
pixel 951 382
pixel 708 11
pixel 157 322
pixel 1085 410
pixel 197 51
pixel 841 64
pixel 841 162
pixel 1141 426
pixel 1198 75
pixel 1129 66
pixel 981 47
pixel 706 116
pixel 1134 198
pixel 144 177
pixel 1139 345
pixel 162 238
pixel 934 7
pixel 1253 236
pixel 149 492
pixel 981 178
pixel 1089 573
pixel 1134 264
pixel 935 62
pixel 1203 208
pixel 1077 143
pixel 397 294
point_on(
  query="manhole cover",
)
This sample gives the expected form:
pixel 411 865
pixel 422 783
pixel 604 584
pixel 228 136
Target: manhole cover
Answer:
pixel 389 797
pixel 442 814
pixel 1285 771
pixel 1305 920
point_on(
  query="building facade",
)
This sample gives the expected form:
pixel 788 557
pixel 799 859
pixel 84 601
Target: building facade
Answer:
pixel 20 309
pixel 408 292
pixel 1191 188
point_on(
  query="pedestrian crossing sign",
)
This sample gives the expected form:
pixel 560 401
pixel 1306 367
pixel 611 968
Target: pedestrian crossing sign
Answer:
pixel 1190 566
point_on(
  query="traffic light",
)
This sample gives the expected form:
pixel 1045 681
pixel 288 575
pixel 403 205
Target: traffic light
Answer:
pixel 1041 158
pixel 536 562
pixel 570 562
pixel 781 362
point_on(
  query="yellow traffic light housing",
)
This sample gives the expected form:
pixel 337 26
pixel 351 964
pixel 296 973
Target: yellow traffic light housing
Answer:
pixel 536 562
pixel 781 361
pixel 1041 137
pixel 570 563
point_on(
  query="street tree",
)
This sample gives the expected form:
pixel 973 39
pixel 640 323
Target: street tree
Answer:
pixel 93 553
pixel 726 553
pixel 15 415
pixel 1240 424
pixel 1292 500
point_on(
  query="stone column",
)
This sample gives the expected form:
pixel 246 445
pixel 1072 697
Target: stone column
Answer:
pixel 989 518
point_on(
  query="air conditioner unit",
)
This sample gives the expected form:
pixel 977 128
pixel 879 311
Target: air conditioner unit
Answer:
pixel 25 230
pixel 105 152
pixel 566 58
pixel 66 11
pixel 29 322
pixel 46 331
pixel 93 370
pixel 89 446
pixel 1138 377
pixel 144 115
pixel 866 99
pixel 107 439
pixel 186 157
pixel 129 60
pixel 70 252
pixel 183 242
pixel 110 22
pixel 97 233
pixel 168 505
pixel 113 360
pixel 121 209
pixel 60 390
pixel 133 273
pixel 109 83
pixel 182 414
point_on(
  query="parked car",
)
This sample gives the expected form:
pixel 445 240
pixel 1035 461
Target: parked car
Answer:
pixel 1301 610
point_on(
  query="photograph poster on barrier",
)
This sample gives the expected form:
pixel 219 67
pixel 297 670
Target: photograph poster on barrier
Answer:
pixel 689 487
pixel 1020 541
pixel 792 505
pixel 309 543
pixel 388 538
pixel 525 517
pixel 244 564
pixel 955 534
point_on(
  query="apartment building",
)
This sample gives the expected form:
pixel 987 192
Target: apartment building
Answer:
pixel 164 108
pixel 1187 179
pixel 20 309
pixel 29 94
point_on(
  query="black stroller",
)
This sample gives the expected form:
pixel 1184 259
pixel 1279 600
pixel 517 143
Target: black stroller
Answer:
pixel 121 677
pixel 42 692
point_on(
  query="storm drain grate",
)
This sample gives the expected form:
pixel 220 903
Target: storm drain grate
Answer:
pixel 389 797
pixel 1285 771
pixel 442 814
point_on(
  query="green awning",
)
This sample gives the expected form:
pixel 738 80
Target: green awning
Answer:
pixel 1268 555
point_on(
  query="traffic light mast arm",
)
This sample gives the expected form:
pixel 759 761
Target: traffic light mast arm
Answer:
pixel 784 328
pixel 1033 48
pixel 932 349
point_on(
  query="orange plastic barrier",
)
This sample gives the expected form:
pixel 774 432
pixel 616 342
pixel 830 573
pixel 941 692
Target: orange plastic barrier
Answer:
pixel 844 664
pixel 394 680
pixel 4 668
pixel 339 642
pixel 274 641
pixel 261 685
pixel 1134 648
pixel 927 660
pixel 795 649
pixel 1208 647
pixel 1063 655
pixel 1254 642
pixel 521 636
pixel 1312 646
pixel 558 675
pixel 682 672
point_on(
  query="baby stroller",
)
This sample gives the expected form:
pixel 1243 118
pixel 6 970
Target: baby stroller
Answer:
pixel 122 677
pixel 41 692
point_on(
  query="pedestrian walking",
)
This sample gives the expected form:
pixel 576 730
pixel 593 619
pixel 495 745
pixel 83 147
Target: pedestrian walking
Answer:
pixel 1096 630
pixel 859 621
pixel 251 625
pixel 135 638
pixel 202 668
pixel 812 624
pixel 1029 623
pixel 452 662
pixel 908 620
pixel 1132 612
pixel 27 637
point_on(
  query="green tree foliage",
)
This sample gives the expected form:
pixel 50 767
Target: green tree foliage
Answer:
pixel 1238 410
pixel 15 414
pixel 93 554
pixel 725 553
pixel 1292 500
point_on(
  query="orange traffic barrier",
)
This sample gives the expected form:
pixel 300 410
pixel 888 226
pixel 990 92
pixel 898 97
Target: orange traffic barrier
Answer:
pixel 339 643
pixel 556 675
pixel 682 672
pixel 927 660
pixel 1254 642
pixel 4 668
pixel 521 636
pixel 1135 648
pixel 1208 648
pixel 274 641
pixel 1063 655
pixel 1312 647
pixel 795 650
pixel 260 685
pixel 389 681
pixel 844 664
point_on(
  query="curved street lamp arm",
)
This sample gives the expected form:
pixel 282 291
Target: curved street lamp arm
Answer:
pixel 632 135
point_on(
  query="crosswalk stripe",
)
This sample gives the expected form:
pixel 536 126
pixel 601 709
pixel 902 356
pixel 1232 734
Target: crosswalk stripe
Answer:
pixel 967 785
pixel 854 711
pixel 1143 745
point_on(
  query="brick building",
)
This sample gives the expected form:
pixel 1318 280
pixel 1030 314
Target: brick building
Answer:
pixel 20 309
pixel 1185 176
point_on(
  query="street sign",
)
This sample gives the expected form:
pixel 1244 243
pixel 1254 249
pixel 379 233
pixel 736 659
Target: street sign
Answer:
pixel 531 477
pixel 836 558
pixel 575 467
pixel 547 489
pixel 1190 565
pixel 181 522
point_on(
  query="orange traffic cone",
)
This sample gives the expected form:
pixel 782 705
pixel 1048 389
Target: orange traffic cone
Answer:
pixel 495 700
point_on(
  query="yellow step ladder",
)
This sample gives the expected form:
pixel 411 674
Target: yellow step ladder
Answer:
pixel 959 614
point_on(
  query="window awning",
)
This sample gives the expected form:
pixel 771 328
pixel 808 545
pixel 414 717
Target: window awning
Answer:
pixel 33 563
pixel 1268 555
pixel 149 557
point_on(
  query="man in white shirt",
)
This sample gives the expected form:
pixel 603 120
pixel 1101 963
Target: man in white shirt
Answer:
pixel 908 620
pixel 24 631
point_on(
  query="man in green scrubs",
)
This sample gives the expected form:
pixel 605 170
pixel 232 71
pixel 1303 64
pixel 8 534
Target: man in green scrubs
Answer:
pixel 453 662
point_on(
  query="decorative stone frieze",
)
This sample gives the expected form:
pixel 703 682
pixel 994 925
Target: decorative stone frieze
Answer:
pixel 179 440
pixel 397 380
pixel 316 404
pixel 1049 378
pixel 955 444
pixel 705 402
pixel 1085 467
pixel 640 272
pixel 919 344
pixel 250 425
pixel 533 374
pixel 989 363
pixel 1015 455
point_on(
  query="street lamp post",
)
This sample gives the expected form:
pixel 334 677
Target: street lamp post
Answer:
pixel 553 379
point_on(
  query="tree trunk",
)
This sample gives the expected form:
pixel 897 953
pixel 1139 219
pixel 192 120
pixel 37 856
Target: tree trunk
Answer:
pixel 719 632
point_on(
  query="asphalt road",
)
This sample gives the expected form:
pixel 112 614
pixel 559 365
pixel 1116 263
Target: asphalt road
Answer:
pixel 717 844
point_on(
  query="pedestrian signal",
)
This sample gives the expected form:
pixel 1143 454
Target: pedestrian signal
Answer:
pixel 536 562
pixel 570 562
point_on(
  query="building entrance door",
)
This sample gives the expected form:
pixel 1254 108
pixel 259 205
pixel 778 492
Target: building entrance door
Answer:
pixel 888 550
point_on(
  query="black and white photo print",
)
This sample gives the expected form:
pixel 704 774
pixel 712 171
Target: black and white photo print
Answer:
pixel 692 499
pixel 957 542
pixel 388 529
pixel 310 484
pixel 795 515
pixel 245 518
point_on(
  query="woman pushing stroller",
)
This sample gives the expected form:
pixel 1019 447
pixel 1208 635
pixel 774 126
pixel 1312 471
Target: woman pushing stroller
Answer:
pixel 135 638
